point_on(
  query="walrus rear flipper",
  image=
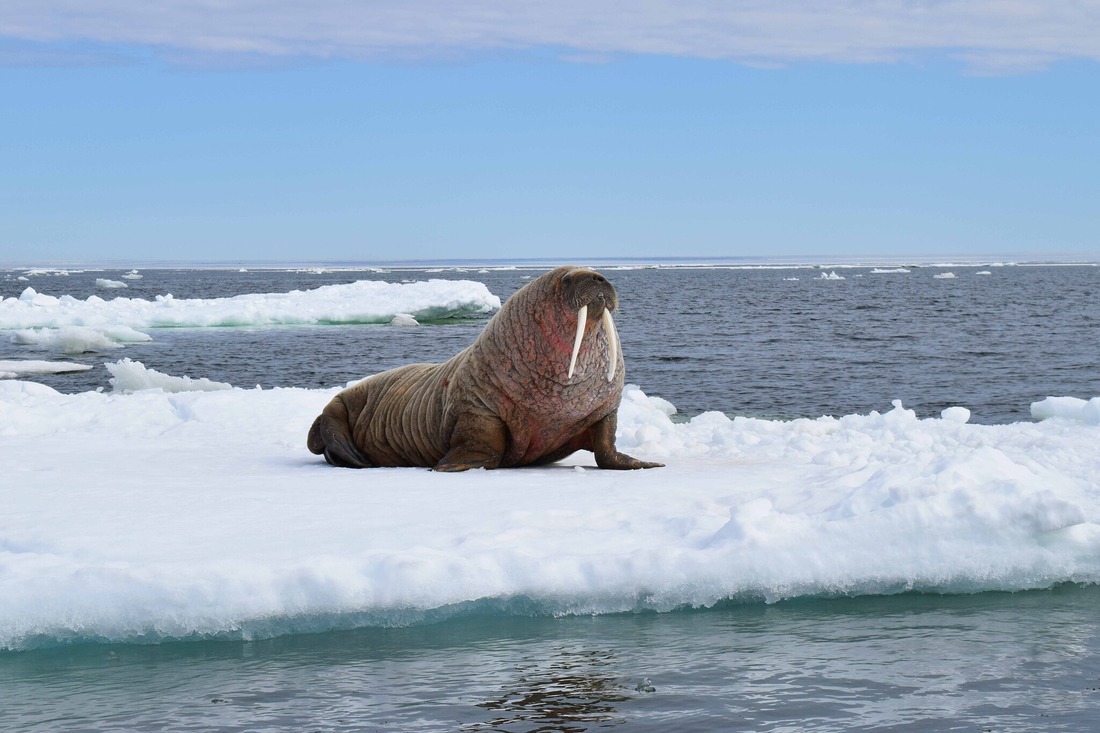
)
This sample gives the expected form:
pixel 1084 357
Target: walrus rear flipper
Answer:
pixel 330 436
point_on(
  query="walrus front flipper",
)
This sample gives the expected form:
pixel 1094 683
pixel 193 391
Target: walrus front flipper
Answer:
pixel 603 445
pixel 478 441
pixel 330 436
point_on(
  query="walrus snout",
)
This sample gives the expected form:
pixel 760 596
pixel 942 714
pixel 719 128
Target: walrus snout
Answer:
pixel 582 287
pixel 592 295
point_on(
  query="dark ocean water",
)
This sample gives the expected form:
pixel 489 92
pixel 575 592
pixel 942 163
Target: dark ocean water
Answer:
pixel 749 342
pixel 999 663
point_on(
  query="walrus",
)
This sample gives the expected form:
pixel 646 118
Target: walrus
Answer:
pixel 542 380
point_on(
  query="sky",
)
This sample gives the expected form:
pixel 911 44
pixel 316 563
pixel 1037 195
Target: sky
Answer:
pixel 238 130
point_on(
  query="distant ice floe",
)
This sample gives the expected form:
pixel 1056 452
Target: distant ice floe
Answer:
pixel 889 271
pixel 132 275
pixel 747 510
pixel 49 271
pixel 831 276
pixel 92 324
pixel 13 368
pixel 945 276
pixel 102 282
pixel 79 339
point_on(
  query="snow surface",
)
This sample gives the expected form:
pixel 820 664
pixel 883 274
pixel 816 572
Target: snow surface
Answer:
pixel 74 326
pixel 156 514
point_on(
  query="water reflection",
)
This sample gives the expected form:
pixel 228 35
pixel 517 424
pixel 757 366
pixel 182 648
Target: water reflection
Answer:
pixel 571 692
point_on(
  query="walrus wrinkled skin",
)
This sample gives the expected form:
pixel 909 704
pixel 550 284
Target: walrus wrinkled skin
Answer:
pixel 543 380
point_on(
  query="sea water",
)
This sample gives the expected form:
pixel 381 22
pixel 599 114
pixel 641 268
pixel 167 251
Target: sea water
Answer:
pixel 988 662
pixel 771 343
pixel 757 342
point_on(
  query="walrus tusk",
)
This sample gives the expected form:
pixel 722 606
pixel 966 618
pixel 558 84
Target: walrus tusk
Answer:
pixel 582 319
pixel 612 344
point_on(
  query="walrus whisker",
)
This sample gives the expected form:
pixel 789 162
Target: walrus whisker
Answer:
pixel 582 319
pixel 612 344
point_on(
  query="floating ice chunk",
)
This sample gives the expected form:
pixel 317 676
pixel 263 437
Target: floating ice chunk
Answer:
pixel 132 275
pixel 365 301
pixel 79 339
pixel 945 276
pixel 983 272
pixel 404 319
pixel 30 295
pixel 10 368
pixel 889 271
pixel 102 282
pixel 1069 408
pixel 831 276
pixel 956 414
pixel 133 376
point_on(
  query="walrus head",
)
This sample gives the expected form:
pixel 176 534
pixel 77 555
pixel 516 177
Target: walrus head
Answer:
pixel 592 296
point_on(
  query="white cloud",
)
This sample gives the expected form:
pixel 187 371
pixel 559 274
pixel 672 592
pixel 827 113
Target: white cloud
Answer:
pixel 988 35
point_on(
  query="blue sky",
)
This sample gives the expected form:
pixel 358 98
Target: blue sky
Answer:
pixel 375 132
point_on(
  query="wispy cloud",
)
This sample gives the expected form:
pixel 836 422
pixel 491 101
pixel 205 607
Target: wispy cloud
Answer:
pixel 990 36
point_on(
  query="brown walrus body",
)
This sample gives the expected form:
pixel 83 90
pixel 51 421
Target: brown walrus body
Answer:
pixel 543 380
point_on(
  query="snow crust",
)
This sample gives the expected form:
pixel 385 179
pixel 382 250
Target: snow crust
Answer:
pixel 149 513
pixel 74 326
